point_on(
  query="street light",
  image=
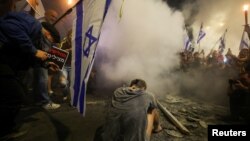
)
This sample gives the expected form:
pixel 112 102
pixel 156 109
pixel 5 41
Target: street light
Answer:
pixel 69 2
pixel 245 8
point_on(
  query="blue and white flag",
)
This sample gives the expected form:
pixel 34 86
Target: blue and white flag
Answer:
pixel 222 45
pixel 201 35
pixel 187 42
pixel 244 43
pixel 86 31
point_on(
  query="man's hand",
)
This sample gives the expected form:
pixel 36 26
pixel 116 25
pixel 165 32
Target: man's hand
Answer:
pixel 239 85
pixel 41 55
pixel 53 66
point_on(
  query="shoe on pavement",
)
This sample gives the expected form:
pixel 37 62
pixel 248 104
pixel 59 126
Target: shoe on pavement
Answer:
pixel 51 106
pixel 51 93
pixel 65 98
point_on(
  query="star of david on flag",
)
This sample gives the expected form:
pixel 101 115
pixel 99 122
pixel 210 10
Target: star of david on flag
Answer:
pixel 91 40
pixel 86 31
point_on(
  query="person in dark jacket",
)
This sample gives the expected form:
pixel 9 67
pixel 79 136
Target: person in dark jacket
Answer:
pixel 132 115
pixel 40 74
pixel 21 39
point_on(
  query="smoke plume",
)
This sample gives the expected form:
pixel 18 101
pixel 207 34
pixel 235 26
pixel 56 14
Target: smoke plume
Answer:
pixel 142 43
pixel 141 38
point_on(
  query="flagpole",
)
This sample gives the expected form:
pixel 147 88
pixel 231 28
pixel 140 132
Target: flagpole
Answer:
pixel 199 47
pixel 66 13
pixel 121 11
pixel 215 44
pixel 200 36
pixel 245 8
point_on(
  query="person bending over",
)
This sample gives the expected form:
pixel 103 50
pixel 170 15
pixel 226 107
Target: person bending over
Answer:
pixel 132 115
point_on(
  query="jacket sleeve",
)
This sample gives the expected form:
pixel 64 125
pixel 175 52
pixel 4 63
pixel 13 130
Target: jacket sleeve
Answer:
pixel 19 34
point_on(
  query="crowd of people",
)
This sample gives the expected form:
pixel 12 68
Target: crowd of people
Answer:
pixel 235 69
pixel 132 115
pixel 24 44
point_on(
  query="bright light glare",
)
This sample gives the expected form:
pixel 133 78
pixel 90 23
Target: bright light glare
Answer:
pixel 225 59
pixel 245 7
pixel 221 24
pixel 69 2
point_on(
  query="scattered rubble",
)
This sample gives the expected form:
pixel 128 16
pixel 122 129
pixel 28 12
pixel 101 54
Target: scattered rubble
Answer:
pixel 193 115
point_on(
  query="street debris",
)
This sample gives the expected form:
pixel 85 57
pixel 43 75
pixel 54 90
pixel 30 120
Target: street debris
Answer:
pixel 188 119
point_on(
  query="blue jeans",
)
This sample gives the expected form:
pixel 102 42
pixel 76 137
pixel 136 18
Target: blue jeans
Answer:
pixel 40 85
pixel 66 72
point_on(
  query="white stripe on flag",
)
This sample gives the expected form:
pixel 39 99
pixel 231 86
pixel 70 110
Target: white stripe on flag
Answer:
pixel 244 41
pixel 187 42
pixel 202 34
pixel 89 19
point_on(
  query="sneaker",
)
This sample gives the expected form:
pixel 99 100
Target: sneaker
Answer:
pixel 65 98
pixel 51 106
pixel 62 84
pixel 51 93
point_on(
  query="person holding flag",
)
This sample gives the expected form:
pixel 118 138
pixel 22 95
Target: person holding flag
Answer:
pixel 239 95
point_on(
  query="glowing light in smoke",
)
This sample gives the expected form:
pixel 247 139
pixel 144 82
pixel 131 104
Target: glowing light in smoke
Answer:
pixel 225 59
pixel 221 24
pixel 245 7
pixel 69 2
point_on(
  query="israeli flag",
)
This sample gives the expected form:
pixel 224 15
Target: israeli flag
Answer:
pixel 86 31
pixel 222 40
pixel 187 43
pixel 244 41
pixel 201 35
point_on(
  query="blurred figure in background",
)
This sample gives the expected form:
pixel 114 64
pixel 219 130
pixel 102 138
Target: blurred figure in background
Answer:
pixel 50 16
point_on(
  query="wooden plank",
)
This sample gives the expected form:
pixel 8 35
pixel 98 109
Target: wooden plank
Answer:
pixel 172 118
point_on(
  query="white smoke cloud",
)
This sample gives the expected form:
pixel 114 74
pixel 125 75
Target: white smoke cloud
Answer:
pixel 142 43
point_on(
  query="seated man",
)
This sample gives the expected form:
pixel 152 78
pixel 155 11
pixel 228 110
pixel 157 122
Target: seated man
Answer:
pixel 132 115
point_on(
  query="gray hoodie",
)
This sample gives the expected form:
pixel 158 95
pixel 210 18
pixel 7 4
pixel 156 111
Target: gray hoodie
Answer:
pixel 127 116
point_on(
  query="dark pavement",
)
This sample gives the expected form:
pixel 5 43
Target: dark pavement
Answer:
pixel 63 124
pixel 67 124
